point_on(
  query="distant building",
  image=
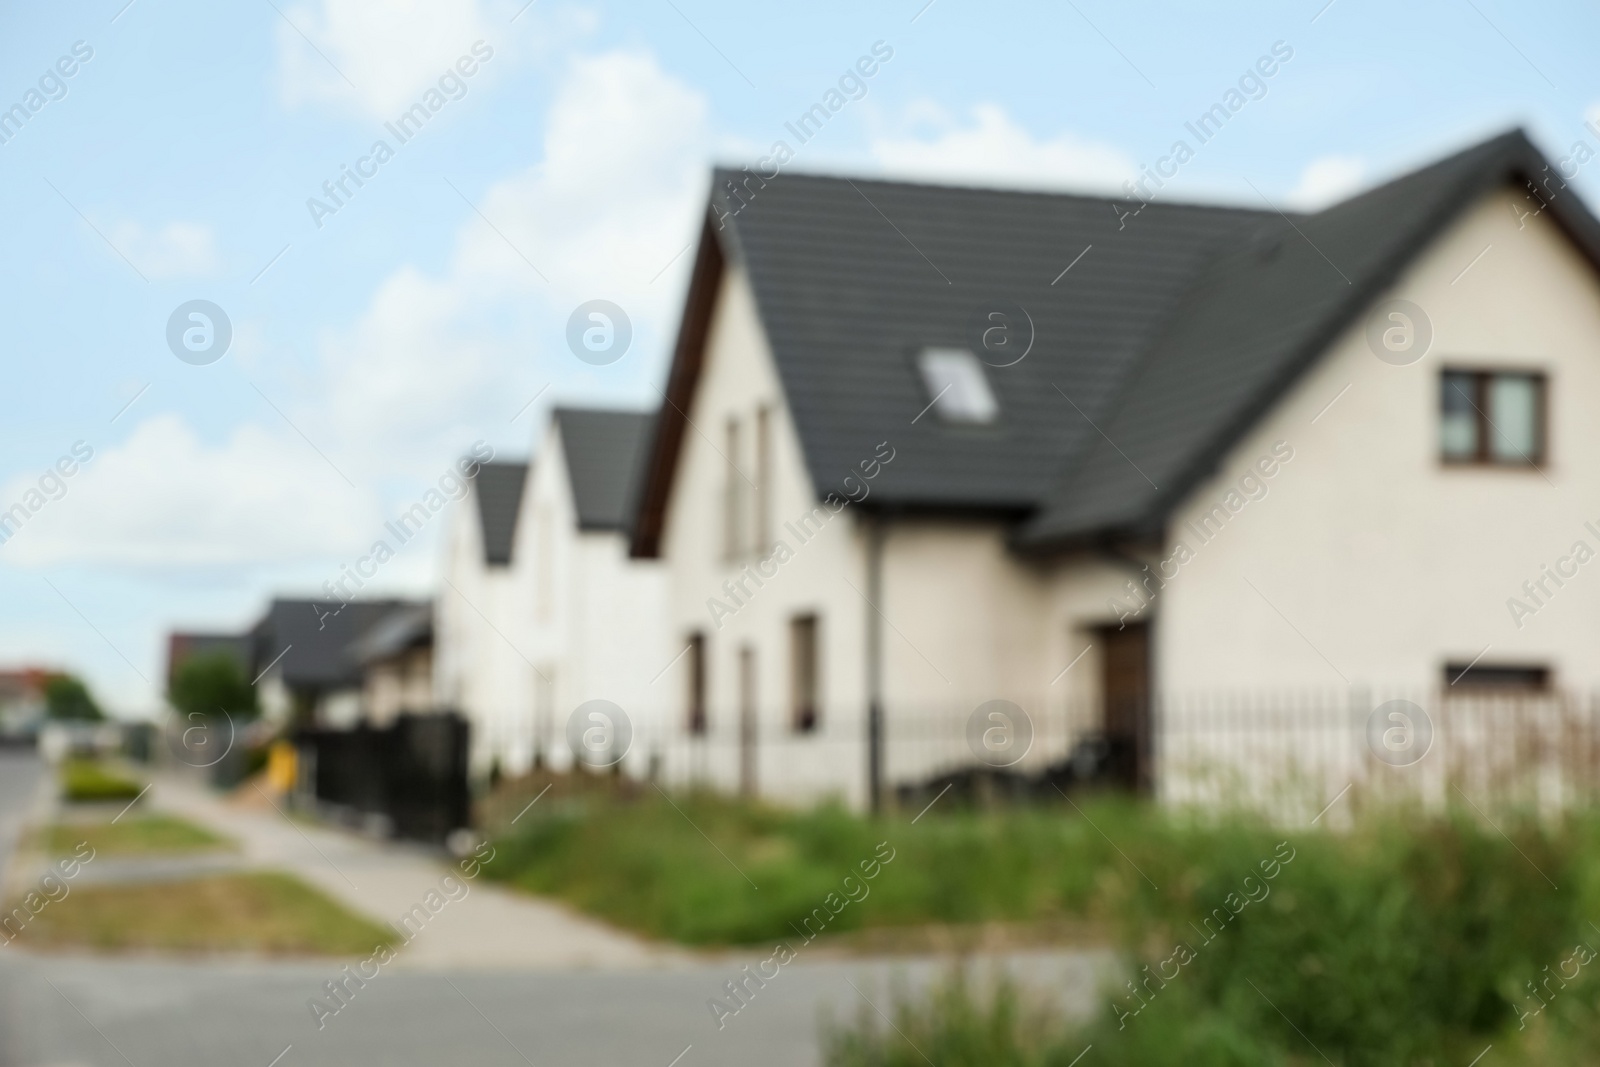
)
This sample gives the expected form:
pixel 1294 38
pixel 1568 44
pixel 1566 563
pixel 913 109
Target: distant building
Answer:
pixel 306 654
pixel 396 659
pixel 22 704
pixel 541 608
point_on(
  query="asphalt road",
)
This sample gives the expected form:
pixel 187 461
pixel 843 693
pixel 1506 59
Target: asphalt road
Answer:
pixel 62 1011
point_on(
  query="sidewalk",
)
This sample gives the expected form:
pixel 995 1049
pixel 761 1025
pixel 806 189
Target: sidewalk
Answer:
pixel 490 927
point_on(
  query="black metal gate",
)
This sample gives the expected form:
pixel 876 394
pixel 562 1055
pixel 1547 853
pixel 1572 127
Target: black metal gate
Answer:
pixel 412 773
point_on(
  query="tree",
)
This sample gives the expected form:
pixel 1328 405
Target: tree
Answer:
pixel 211 684
pixel 67 699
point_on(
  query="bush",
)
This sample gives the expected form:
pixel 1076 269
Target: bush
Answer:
pixel 87 782
pixel 1396 944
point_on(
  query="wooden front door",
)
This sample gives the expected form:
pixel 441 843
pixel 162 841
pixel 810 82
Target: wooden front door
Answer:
pixel 1125 683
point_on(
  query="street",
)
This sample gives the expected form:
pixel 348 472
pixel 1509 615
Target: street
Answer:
pixel 108 1011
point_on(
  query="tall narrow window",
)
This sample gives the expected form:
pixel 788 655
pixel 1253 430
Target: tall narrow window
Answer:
pixel 803 673
pixel 763 493
pixel 733 495
pixel 1493 418
pixel 544 577
pixel 695 719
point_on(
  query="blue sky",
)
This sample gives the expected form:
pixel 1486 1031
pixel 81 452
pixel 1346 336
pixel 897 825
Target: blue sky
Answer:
pixel 370 352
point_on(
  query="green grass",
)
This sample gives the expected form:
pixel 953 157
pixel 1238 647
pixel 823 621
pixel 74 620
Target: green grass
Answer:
pixel 86 781
pixel 262 912
pixel 1403 942
pixel 131 835
pixel 688 873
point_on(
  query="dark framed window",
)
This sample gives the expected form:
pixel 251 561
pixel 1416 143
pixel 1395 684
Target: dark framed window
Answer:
pixel 1478 677
pixel 803 673
pixel 1492 417
pixel 695 719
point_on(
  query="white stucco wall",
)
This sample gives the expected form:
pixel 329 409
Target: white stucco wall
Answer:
pixel 737 378
pixel 1389 563
pixel 598 632
pixel 479 666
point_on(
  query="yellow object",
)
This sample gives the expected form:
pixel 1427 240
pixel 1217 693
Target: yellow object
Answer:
pixel 282 768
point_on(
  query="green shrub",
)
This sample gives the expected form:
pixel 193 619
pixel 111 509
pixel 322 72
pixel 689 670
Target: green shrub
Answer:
pixel 86 782
pixel 1396 944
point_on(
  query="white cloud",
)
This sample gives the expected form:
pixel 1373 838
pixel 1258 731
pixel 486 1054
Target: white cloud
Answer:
pixel 993 149
pixel 390 50
pixel 164 498
pixel 608 206
pixel 177 250
pixel 1327 180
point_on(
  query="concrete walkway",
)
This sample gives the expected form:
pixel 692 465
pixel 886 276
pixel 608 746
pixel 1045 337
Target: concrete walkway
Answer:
pixel 489 928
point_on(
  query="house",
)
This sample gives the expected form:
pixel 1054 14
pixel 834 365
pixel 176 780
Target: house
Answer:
pixel 542 608
pixel 306 658
pixel 480 669
pixel 396 658
pixel 22 702
pixel 951 475
pixel 598 616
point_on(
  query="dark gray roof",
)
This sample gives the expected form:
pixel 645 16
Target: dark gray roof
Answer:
pixel 402 629
pixel 319 637
pixel 498 489
pixel 1175 328
pixel 1267 305
pixel 605 453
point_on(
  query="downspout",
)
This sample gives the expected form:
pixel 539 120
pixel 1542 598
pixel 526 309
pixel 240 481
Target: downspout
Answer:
pixel 874 661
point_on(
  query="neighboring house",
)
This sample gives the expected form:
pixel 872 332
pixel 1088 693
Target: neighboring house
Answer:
pixel 305 654
pixel 480 669
pixel 22 703
pixel 396 658
pixel 1213 459
pixel 598 617
pixel 542 609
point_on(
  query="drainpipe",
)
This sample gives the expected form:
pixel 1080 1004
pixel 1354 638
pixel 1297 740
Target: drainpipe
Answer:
pixel 874 662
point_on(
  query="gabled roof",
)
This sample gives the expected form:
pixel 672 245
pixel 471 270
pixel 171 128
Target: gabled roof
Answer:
pixel 1255 318
pixel 1173 329
pixel 319 637
pixel 400 630
pixel 605 453
pixel 498 491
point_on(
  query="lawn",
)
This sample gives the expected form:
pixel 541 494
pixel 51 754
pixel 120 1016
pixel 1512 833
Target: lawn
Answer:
pixel 86 781
pixel 706 870
pixel 131 835
pixel 259 912
pixel 1410 938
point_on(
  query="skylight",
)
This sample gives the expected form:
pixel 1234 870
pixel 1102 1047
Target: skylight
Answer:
pixel 957 387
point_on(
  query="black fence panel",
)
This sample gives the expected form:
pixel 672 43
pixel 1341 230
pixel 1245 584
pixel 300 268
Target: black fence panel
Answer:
pixel 412 773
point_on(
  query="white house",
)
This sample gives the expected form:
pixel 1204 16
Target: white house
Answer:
pixel 1138 470
pixel 479 665
pixel 542 609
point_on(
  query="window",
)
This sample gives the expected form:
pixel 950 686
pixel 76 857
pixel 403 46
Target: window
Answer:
pixel 1491 417
pixel 695 720
pixel 957 387
pixel 733 495
pixel 1500 678
pixel 763 490
pixel 803 672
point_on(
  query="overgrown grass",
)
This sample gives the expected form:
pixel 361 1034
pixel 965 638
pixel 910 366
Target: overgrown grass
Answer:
pixel 132 835
pixel 1401 943
pixel 708 870
pixel 86 781
pixel 263 912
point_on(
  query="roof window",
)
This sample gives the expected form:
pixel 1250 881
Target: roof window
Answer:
pixel 957 387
